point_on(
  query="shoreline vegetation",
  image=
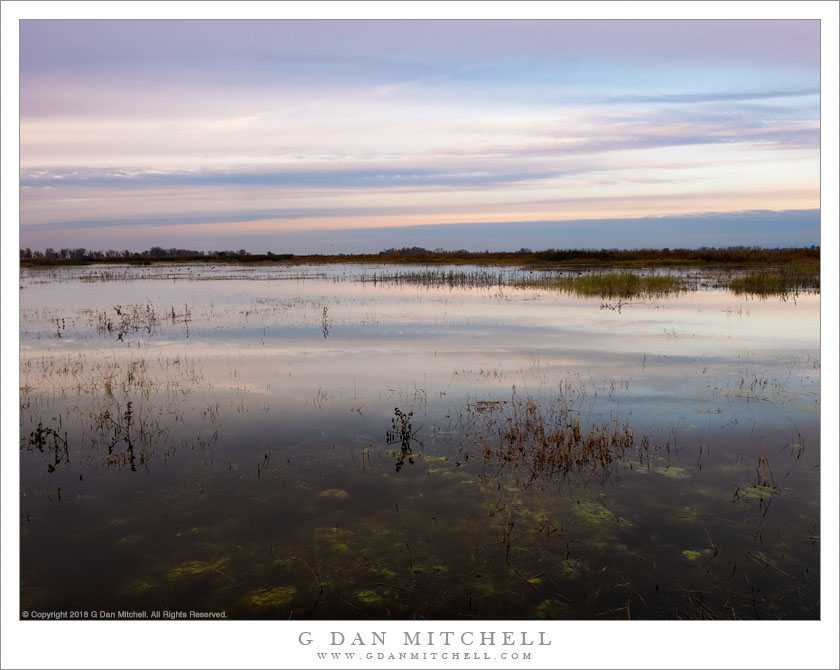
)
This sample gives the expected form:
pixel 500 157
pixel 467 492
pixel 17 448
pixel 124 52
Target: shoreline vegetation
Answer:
pixel 419 255
pixel 604 273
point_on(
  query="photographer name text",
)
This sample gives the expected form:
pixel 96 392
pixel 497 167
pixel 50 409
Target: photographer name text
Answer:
pixel 429 638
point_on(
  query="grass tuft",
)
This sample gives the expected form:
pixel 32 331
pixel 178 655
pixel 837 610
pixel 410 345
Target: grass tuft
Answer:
pixel 779 281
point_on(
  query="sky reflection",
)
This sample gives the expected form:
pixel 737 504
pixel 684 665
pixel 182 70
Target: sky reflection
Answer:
pixel 286 342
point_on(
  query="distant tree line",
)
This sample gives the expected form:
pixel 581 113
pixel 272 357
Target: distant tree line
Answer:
pixel 740 254
pixel 81 255
pixel 736 254
pixel 153 253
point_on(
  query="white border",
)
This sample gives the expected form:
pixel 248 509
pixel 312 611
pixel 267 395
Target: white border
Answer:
pixel 426 9
pixel 273 644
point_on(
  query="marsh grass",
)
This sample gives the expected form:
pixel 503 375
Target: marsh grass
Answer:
pixel 129 319
pixel 781 280
pixel 759 282
pixel 785 280
pixel 624 278
pixel 610 284
pixel 434 277
pixel 601 284
pixel 125 411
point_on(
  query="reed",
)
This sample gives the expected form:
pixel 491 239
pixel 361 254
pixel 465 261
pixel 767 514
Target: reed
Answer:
pixel 784 280
pixel 609 284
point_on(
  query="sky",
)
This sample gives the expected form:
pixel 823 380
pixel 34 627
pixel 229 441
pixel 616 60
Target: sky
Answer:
pixel 352 136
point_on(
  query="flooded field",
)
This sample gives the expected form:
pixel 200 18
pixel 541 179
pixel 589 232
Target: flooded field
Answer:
pixel 358 441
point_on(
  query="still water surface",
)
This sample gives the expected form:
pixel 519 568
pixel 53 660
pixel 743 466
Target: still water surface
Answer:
pixel 304 441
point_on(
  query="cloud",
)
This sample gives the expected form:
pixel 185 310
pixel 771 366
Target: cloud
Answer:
pixel 418 44
pixel 358 178
pixel 711 96
pixel 237 123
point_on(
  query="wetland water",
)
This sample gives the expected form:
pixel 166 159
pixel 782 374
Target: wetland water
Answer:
pixel 327 442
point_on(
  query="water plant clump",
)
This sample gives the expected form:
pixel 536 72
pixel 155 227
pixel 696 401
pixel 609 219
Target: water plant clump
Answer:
pixel 280 596
pixel 401 431
pixel 551 440
pixel 594 513
pixel 337 494
pixel 128 319
pixel 49 439
pixel 400 428
pixel 368 597
pixel 197 569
